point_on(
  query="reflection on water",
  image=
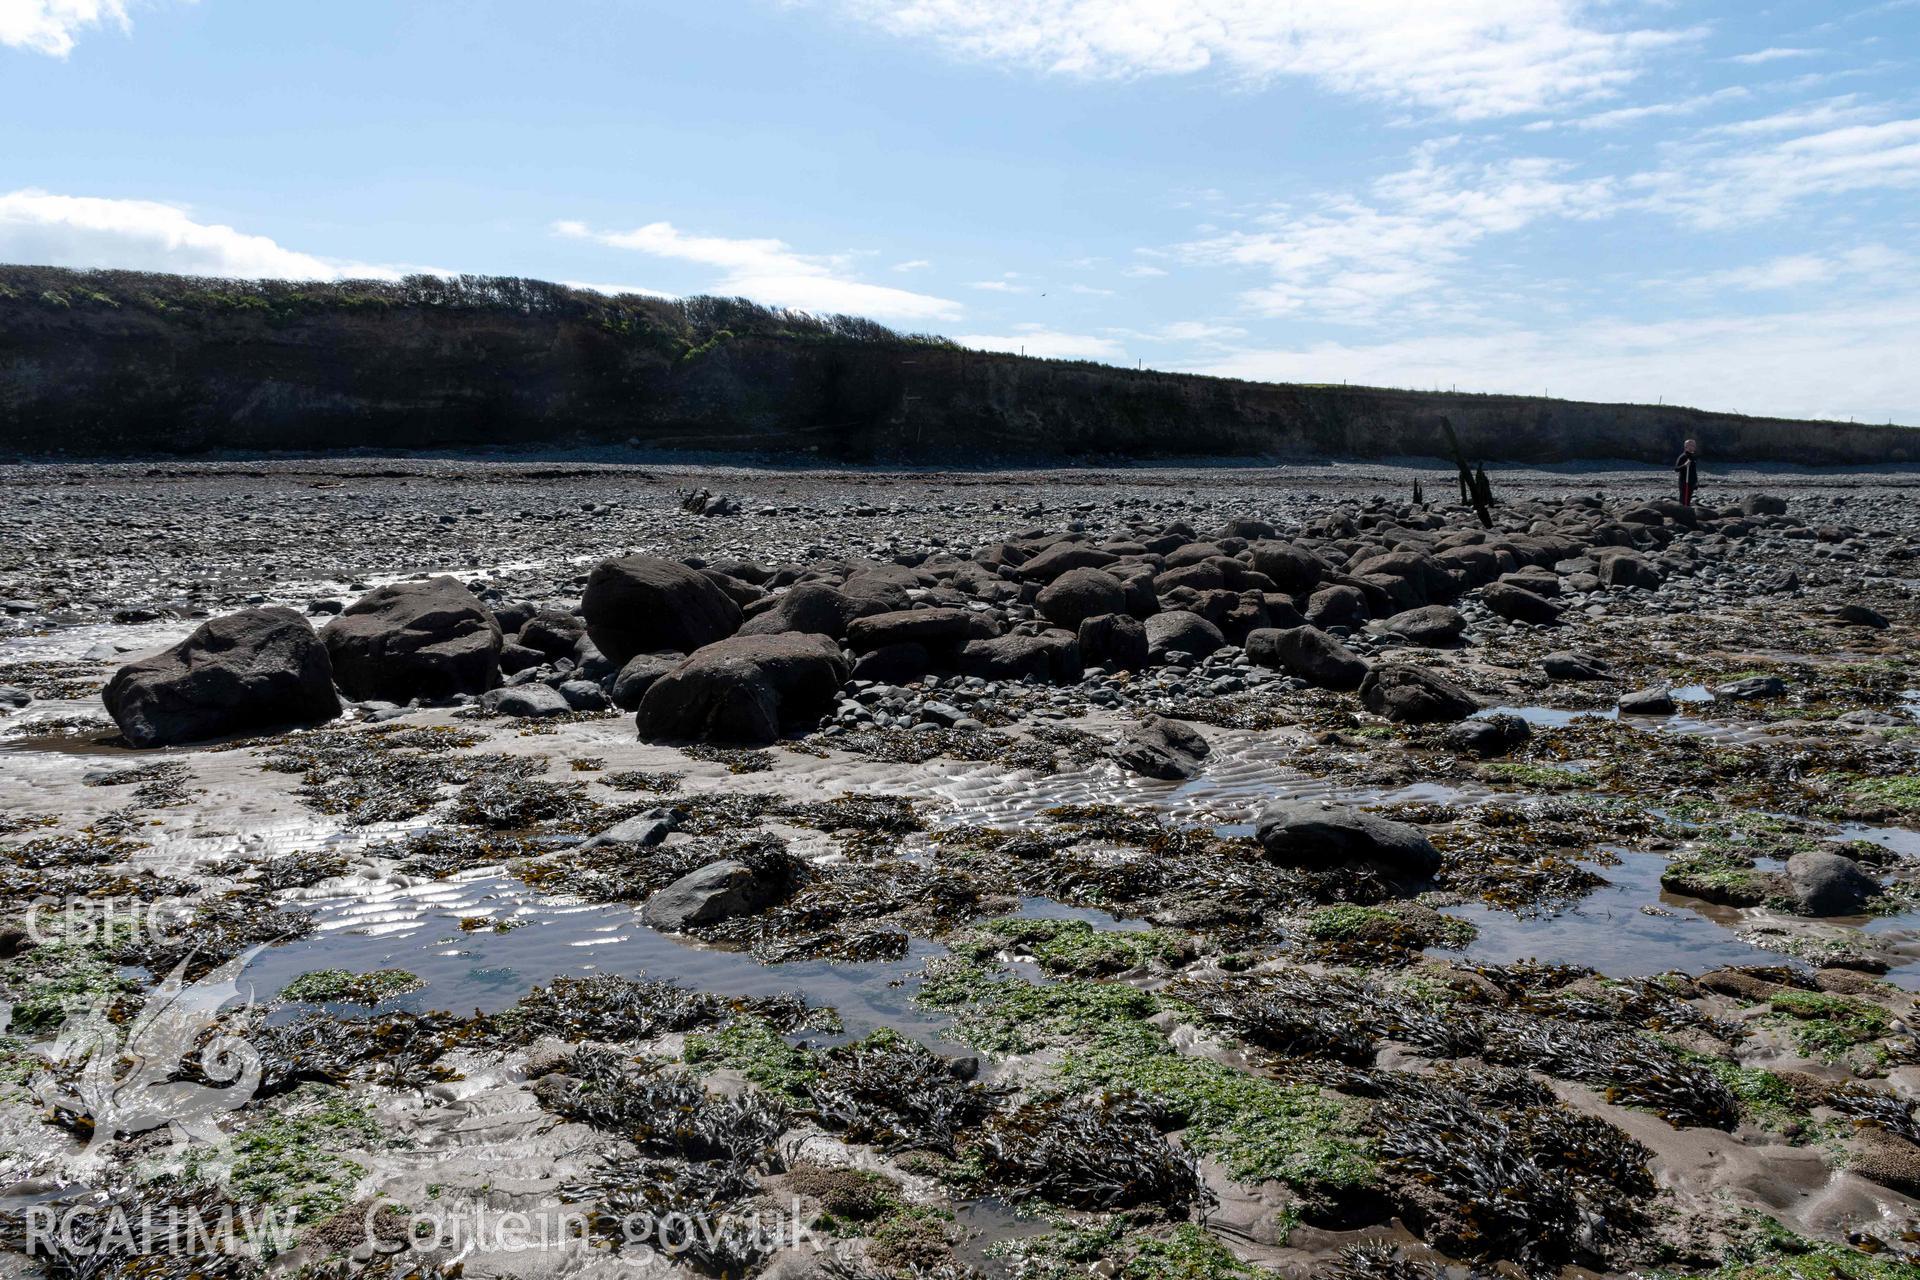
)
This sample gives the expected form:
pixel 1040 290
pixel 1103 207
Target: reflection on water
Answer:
pixel 1608 930
pixel 485 969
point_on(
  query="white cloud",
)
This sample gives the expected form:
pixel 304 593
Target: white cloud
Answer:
pixel 918 264
pixel 1771 55
pixel 1794 271
pixel 1354 257
pixel 1834 362
pixel 1038 340
pixel 772 272
pixel 998 286
pixel 52 26
pixel 1199 331
pixel 615 290
pixel 1729 188
pixel 1142 271
pixel 1472 59
pixel 145 235
pixel 1633 115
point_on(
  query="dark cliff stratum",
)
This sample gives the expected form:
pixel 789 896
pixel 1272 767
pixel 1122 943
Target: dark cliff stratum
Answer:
pixel 122 363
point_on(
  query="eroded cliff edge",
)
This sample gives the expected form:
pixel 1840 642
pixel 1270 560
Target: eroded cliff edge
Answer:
pixel 123 363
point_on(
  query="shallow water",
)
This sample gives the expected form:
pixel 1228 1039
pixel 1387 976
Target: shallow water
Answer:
pixel 1680 722
pixel 1610 931
pixel 418 929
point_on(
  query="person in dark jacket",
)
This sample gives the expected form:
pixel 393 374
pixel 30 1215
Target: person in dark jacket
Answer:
pixel 1687 466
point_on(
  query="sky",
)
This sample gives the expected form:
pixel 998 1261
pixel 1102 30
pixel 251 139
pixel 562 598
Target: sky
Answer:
pixel 1710 202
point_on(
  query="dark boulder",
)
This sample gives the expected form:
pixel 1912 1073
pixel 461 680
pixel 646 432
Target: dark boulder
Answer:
pixel 1079 594
pixel 257 669
pixel 1751 688
pixel 1436 626
pixel 902 663
pixel 1062 556
pixel 1307 833
pixel 1293 570
pixel 1622 568
pixel 643 604
pixel 1170 750
pixel 1859 615
pixel 552 633
pixel 1309 653
pixel 713 893
pixel 1114 640
pixel 1488 736
pixel 1415 695
pixel 811 607
pixel 934 629
pixel 1051 656
pixel 430 640
pixel 1826 884
pixel 516 657
pixel 1342 605
pixel 1177 631
pixel 1517 604
pixel 638 675
pixel 526 702
pixel 1647 702
pixel 745 689
pixel 1573 666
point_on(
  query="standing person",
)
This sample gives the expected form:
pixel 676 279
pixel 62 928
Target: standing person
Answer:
pixel 1687 466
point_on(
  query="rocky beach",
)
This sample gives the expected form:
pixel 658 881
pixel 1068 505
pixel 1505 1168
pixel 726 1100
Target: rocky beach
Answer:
pixel 593 866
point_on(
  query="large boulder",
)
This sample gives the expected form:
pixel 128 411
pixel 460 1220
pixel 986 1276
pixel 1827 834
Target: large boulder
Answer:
pixel 1308 833
pixel 643 604
pixel 1179 631
pixel 811 607
pixel 1493 735
pixel 1051 656
pixel 1339 605
pixel 1436 626
pixel 745 689
pixel 1826 884
pixel 1170 750
pixel 1428 582
pixel 527 701
pixel 1061 557
pixel 1113 640
pixel 638 675
pixel 258 669
pixel 1293 569
pixel 904 663
pixel 1414 695
pixel 934 629
pixel 552 633
pixel 1311 654
pixel 431 640
pixel 1623 568
pixel 1079 594
pixel 707 895
pixel 1648 702
pixel 1517 604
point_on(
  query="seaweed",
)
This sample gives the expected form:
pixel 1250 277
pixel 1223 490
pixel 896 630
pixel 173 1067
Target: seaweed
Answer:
pixel 400 1050
pixel 217 931
pixel 660 1110
pixel 643 780
pixel 897 1095
pixel 1103 1152
pixel 613 1007
pixel 1514 1178
pixel 516 804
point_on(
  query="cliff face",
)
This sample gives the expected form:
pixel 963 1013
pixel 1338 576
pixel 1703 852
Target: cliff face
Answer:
pixel 85 370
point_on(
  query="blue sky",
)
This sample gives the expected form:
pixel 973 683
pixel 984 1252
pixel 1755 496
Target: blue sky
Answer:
pixel 1706 202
